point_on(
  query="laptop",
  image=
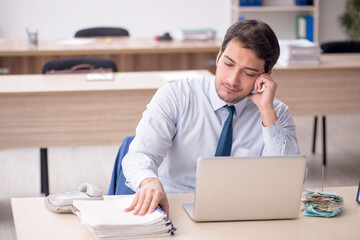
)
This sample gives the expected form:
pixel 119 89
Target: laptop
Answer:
pixel 247 188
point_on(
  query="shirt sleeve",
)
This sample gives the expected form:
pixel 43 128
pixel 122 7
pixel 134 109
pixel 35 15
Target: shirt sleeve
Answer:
pixel 154 135
pixel 280 139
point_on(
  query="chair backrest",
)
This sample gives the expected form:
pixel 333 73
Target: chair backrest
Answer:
pixel 117 184
pixel 340 47
pixel 102 32
pixel 68 63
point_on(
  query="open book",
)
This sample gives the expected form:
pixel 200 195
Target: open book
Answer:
pixel 108 220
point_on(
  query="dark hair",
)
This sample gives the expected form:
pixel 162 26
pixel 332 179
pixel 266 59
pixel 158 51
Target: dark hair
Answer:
pixel 256 36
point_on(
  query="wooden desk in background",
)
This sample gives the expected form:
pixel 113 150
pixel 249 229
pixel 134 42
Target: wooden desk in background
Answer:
pixel 46 111
pixel 129 54
pixel 67 110
pixel 34 221
pixel 332 87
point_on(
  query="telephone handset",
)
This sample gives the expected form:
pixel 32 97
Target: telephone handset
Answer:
pixel 259 91
pixel 62 202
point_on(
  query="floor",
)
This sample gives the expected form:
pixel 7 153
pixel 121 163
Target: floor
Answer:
pixel 69 167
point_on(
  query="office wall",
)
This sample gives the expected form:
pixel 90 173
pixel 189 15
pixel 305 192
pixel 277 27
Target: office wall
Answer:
pixel 61 18
pixel 330 29
pixel 144 18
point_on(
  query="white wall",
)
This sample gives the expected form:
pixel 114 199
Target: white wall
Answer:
pixel 61 18
pixel 329 26
pixel 143 18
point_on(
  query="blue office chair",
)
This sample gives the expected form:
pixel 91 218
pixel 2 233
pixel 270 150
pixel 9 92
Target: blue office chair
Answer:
pixel 117 184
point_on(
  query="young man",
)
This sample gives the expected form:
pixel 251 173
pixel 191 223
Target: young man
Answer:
pixel 184 120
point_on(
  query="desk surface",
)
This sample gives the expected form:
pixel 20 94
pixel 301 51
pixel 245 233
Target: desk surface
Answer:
pixel 104 45
pixel 126 81
pixel 128 45
pixel 129 54
pixel 138 54
pixel 328 61
pixel 34 221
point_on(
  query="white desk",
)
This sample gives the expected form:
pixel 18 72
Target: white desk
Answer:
pixel 34 221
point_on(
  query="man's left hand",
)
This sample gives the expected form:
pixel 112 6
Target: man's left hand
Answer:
pixel 264 100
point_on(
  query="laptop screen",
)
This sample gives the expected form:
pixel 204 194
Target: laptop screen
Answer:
pixel 248 188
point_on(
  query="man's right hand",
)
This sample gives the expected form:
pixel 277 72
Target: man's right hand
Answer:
pixel 150 194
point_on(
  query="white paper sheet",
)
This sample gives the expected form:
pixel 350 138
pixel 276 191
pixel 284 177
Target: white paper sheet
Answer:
pixel 172 77
pixel 76 41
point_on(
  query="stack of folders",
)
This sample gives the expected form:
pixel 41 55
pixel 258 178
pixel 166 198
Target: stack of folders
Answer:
pixel 300 51
pixel 198 34
pixel 108 220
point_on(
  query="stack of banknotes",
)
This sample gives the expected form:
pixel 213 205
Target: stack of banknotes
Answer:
pixel 322 204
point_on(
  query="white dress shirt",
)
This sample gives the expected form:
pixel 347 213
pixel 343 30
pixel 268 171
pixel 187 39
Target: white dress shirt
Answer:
pixel 183 122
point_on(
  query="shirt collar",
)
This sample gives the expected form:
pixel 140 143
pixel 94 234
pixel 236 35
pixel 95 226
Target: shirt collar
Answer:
pixel 218 103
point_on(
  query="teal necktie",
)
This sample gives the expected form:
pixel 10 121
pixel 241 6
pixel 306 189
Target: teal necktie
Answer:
pixel 225 140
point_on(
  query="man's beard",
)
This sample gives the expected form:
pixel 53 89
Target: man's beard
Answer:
pixel 227 98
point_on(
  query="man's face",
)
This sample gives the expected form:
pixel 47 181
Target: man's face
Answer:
pixel 236 72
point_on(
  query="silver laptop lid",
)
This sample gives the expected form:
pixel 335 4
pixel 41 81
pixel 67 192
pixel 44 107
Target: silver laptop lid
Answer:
pixel 248 188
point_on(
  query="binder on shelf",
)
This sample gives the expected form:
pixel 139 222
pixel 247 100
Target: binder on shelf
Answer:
pixel 301 2
pixel 240 18
pixel 250 3
pixel 300 27
pixel 310 28
pixel 304 2
pixel 358 195
pixel 305 27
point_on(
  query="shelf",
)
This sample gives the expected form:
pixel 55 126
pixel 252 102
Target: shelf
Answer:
pixel 262 9
pixel 282 18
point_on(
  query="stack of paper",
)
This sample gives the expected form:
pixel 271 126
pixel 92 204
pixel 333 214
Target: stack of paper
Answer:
pixel 299 52
pixel 76 41
pixel 198 34
pixel 169 77
pixel 321 204
pixel 108 220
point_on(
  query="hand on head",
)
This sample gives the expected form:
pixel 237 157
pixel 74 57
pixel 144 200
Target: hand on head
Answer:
pixel 150 194
pixel 264 100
